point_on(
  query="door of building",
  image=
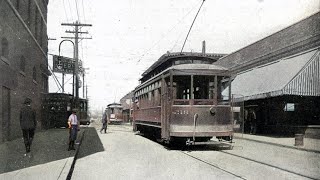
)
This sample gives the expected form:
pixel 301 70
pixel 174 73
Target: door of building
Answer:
pixel 5 114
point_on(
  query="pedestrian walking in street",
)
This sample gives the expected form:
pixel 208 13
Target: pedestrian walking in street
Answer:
pixel 74 127
pixel 104 123
pixel 28 123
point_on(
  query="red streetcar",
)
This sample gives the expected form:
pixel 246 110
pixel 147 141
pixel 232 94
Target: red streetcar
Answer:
pixel 180 98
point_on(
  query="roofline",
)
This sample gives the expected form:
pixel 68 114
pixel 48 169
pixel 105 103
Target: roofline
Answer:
pixel 270 35
pixel 165 57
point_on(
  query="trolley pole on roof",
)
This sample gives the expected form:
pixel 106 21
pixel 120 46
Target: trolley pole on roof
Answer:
pixel 191 26
pixel 76 38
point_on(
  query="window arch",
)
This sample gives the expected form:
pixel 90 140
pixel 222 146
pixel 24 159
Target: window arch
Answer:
pixel 22 64
pixel 4 47
pixel 34 73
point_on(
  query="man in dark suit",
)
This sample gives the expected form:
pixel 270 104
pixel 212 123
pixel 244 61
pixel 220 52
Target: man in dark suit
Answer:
pixel 28 123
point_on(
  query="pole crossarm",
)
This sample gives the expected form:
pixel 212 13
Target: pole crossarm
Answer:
pixel 75 38
pixel 80 32
pixel 75 24
pixel 77 27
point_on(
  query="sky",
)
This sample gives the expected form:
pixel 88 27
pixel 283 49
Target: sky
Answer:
pixel 128 36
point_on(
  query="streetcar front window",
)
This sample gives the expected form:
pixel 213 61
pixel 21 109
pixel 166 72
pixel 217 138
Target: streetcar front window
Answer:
pixel 203 87
pixel 181 87
pixel 199 89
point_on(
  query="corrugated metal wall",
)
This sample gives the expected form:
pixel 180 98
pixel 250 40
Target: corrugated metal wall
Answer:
pixel 307 81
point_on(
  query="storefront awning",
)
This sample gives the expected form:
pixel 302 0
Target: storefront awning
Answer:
pixel 294 75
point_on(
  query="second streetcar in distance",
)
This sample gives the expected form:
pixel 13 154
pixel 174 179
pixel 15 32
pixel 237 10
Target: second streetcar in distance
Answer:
pixel 180 98
pixel 114 113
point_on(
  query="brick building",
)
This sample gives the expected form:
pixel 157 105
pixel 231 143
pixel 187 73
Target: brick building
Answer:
pixel 23 61
pixel 279 78
pixel 126 103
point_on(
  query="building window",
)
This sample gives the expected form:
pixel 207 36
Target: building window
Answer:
pixel 41 32
pixel 289 107
pixel 5 48
pixel 17 5
pixel 45 83
pixel 29 13
pixel 36 33
pixel 34 73
pixel 22 64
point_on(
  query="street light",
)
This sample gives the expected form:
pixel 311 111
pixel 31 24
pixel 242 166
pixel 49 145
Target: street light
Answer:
pixel 73 68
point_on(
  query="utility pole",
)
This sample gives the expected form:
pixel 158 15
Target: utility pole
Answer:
pixel 76 38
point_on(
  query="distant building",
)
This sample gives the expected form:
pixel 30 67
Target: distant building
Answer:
pixel 23 61
pixel 279 78
pixel 126 103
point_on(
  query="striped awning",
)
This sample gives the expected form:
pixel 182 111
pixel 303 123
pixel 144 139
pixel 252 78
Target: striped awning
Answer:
pixel 294 75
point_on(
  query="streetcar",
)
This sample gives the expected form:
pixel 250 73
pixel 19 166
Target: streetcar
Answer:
pixel 180 99
pixel 57 107
pixel 114 113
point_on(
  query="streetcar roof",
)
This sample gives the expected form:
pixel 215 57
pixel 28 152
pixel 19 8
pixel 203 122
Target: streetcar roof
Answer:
pixel 199 67
pixel 112 105
pixel 176 55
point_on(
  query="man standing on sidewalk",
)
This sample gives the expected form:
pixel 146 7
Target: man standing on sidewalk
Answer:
pixel 74 126
pixel 28 123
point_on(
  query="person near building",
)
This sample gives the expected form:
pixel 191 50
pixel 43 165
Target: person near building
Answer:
pixel 74 127
pixel 253 122
pixel 28 123
pixel 104 123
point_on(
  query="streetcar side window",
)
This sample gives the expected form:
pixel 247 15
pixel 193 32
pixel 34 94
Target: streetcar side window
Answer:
pixel 223 83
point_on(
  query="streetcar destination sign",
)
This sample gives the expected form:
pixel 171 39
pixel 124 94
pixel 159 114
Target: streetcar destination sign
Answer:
pixel 64 65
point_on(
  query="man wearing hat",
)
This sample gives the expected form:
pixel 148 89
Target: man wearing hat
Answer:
pixel 28 123
pixel 74 125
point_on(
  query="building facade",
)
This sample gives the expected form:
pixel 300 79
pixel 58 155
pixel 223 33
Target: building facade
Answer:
pixel 278 77
pixel 23 61
pixel 126 103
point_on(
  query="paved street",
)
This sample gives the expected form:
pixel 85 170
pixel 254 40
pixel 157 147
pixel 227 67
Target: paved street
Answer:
pixel 123 154
pixel 131 156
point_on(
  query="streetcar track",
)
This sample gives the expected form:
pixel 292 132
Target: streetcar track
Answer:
pixel 270 165
pixel 249 159
pixel 215 166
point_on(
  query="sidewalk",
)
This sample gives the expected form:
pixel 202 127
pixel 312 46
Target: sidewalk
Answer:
pixel 48 159
pixel 311 145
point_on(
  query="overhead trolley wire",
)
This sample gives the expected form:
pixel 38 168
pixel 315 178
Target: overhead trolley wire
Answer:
pixel 162 37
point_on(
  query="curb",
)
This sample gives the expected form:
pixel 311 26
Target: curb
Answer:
pixel 280 145
pixel 75 157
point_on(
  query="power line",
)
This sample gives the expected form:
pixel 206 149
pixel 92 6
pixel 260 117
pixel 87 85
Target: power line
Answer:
pixel 70 9
pixel 64 84
pixel 84 17
pixel 65 11
pixel 77 9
